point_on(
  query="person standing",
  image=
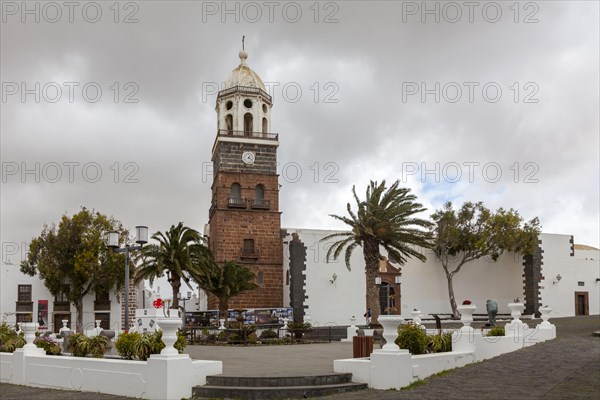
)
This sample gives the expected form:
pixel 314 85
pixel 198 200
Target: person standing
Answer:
pixel 367 316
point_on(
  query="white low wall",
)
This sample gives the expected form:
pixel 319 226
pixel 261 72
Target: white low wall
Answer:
pixel 397 369
pixel 161 377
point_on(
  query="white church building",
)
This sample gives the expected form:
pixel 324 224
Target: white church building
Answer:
pixel 564 276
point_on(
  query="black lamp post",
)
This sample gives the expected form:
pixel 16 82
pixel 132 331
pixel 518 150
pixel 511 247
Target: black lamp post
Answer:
pixel 184 299
pixel 141 233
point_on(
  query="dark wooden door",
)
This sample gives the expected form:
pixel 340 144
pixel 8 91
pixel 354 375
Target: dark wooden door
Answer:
pixel 387 297
pixel 582 306
pixel 58 321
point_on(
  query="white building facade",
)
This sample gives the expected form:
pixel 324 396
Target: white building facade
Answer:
pixel 566 279
pixel 24 298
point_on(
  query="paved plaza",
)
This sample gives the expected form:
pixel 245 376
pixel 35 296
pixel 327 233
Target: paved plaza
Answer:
pixel 565 368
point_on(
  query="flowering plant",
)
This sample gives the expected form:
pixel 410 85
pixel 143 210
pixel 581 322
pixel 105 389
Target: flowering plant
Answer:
pixel 466 302
pixel 158 303
pixel 51 346
pixel 165 305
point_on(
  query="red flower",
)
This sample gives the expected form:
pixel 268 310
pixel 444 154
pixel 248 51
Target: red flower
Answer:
pixel 466 302
pixel 158 303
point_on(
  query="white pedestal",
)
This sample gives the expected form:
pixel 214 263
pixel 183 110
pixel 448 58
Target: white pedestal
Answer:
pixel 390 369
pixel 463 339
pixel 169 377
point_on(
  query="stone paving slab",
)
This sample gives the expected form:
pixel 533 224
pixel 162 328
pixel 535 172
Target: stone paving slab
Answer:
pixel 565 368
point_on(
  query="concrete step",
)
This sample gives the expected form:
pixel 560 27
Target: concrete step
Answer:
pixel 276 392
pixel 267 381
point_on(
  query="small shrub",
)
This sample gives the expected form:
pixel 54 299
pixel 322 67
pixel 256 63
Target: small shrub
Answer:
pixel 413 338
pixel 143 346
pixel 51 346
pixel 269 334
pixel 81 345
pixel 97 345
pixel 77 345
pixel 147 345
pixel 439 343
pixel 252 338
pixel 10 339
pixel 211 337
pixel 243 329
pixel 496 331
pixel 125 344
pixel 181 341
pixel 297 329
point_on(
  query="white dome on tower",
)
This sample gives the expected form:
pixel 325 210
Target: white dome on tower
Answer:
pixel 244 76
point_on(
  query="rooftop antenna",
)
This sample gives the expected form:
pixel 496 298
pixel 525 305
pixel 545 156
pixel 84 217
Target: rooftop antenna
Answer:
pixel 243 39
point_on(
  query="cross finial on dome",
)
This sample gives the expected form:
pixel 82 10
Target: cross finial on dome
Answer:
pixel 243 54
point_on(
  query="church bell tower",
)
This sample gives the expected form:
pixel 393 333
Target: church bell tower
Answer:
pixel 244 217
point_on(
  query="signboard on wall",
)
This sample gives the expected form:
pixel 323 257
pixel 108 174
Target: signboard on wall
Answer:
pixel 42 318
pixel 202 318
pixel 262 316
pixel 255 316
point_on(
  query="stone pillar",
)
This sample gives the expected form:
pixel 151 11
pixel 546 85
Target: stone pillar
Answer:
pixel 532 276
pixel 297 277
pixel 132 305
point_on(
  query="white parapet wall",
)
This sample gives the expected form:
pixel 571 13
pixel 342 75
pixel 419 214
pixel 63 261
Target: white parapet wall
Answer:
pixel 161 377
pixel 395 369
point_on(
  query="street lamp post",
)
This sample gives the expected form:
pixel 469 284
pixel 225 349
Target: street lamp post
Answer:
pixel 141 233
pixel 184 299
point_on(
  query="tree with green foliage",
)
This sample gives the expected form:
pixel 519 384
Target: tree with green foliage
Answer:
pixel 386 218
pixel 74 260
pixel 223 281
pixel 473 232
pixel 178 252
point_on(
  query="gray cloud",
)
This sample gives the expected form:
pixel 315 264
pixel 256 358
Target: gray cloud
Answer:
pixel 349 125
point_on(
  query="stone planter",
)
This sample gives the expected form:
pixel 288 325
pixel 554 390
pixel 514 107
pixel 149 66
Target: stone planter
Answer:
pixel 416 316
pixel 466 313
pixel 390 325
pixel 222 322
pixel 64 327
pixel 29 328
pixel 545 311
pixel 169 328
pixel 516 309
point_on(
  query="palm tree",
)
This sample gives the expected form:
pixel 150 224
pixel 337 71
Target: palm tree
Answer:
pixel 175 255
pixel 384 219
pixel 224 282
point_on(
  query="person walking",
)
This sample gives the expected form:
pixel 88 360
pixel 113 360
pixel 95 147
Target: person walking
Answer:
pixel 367 316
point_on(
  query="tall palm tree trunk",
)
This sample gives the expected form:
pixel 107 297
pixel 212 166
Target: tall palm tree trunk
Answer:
pixel 175 285
pixel 371 255
pixel 223 308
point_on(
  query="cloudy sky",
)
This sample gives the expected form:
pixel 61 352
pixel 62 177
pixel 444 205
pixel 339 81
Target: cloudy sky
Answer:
pixel 112 107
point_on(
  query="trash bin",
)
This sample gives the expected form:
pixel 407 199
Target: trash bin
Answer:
pixel 362 346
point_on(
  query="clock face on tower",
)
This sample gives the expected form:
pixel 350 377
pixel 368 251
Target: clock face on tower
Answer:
pixel 248 157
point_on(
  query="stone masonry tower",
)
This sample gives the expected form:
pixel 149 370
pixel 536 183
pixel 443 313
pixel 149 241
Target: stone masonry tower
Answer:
pixel 244 217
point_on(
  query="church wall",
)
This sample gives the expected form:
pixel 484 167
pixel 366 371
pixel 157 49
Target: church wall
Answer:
pixel 425 287
pixel 560 294
pixel 328 303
